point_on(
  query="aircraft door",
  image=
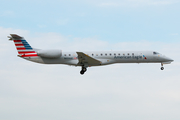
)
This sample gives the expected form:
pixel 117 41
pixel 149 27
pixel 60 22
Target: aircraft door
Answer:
pixel 140 57
pixel 156 56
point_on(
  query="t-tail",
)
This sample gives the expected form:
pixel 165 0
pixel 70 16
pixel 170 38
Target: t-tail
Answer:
pixel 22 46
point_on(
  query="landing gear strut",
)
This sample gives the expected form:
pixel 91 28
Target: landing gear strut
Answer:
pixel 162 68
pixel 83 70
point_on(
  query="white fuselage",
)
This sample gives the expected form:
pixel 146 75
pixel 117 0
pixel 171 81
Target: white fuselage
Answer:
pixel 106 57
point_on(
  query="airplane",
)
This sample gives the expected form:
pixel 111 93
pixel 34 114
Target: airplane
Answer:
pixel 85 59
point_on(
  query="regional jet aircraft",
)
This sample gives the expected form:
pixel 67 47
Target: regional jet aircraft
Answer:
pixel 85 59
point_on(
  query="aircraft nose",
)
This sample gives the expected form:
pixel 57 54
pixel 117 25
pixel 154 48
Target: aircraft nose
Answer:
pixel 169 59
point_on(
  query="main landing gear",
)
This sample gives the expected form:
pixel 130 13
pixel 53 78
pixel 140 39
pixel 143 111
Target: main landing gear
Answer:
pixel 162 68
pixel 83 70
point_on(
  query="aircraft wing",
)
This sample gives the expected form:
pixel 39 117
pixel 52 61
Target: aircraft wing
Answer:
pixel 85 59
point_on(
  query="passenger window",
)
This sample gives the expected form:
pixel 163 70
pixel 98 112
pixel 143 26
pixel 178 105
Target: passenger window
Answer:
pixel 110 54
pixel 92 54
pixel 114 53
pixel 106 54
pixel 69 54
pixel 128 54
pixel 123 54
pixel 101 54
pixel 133 54
pixel 119 54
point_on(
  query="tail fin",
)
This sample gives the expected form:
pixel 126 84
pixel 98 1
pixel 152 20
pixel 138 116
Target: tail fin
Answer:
pixel 21 44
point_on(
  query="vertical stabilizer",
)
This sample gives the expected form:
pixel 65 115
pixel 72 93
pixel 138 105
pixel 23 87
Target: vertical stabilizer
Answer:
pixel 22 46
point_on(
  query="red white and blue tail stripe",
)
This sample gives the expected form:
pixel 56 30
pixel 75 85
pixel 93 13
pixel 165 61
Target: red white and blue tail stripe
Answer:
pixel 22 46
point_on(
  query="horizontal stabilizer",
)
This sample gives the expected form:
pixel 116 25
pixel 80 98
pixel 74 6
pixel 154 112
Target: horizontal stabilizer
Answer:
pixel 14 36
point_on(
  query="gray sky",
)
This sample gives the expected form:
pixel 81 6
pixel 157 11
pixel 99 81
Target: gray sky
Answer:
pixel 31 91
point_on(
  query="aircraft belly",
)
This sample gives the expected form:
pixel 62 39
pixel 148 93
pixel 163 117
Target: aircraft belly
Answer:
pixel 51 60
pixel 60 61
pixel 34 59
pixel 71 62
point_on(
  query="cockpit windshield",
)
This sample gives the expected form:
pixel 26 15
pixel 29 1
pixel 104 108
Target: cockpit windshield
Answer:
pixel 155 53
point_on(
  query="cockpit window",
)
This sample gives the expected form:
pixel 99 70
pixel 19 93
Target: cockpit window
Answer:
pixel 155 53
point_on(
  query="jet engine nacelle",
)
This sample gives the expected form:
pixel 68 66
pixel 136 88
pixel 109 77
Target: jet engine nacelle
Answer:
pixel 50 53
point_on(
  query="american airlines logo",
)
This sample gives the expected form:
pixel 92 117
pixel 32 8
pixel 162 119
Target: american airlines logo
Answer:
pixel 144 57
pixel 130 57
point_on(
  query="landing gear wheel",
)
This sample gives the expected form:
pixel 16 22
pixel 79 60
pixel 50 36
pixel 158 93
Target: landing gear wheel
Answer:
pixel 84 69
pixel 162 68
pixel 81 72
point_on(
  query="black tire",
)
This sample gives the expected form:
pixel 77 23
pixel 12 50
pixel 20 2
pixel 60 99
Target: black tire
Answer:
pixel 162 68
pixel 81 72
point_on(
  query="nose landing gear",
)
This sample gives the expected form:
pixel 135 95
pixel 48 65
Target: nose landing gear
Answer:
pixel 83 70
pixel 162 68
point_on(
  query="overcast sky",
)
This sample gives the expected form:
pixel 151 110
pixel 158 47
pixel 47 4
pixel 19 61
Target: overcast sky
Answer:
pixel 31 91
